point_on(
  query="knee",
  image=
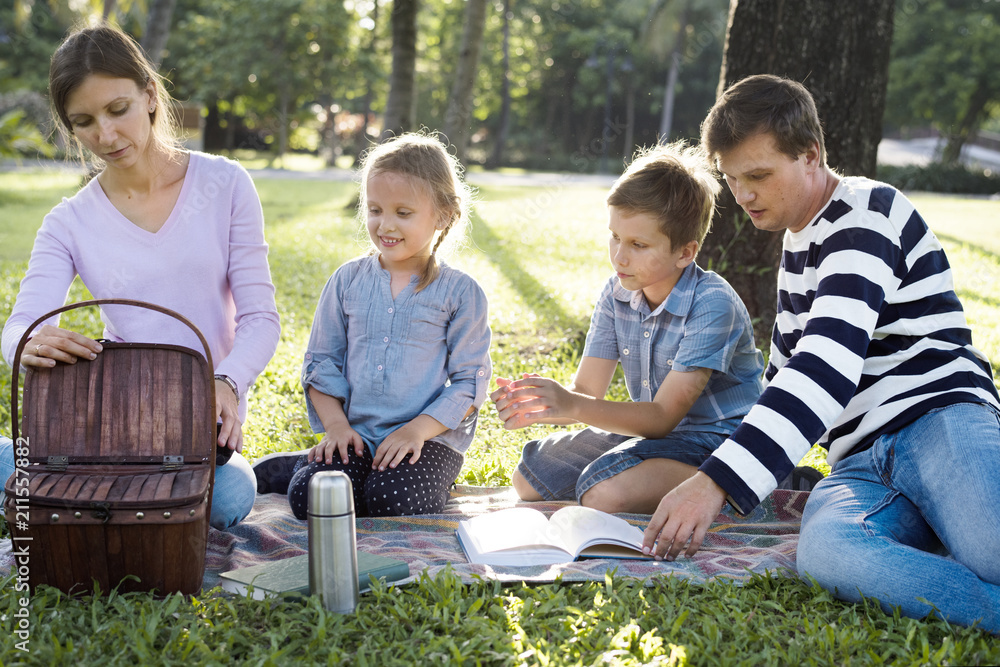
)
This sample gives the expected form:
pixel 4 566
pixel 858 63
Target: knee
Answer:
pixel 405 504
pixel 605 496
pixel 234 493
pixel 524 490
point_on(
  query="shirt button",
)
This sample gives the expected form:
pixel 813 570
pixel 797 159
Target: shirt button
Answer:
pixel 380 366
pixel 625 351
pixel 385 340
pixel 645 334
pixel 482 373
pixel 645 383
pixel 390 311
pixel 670 362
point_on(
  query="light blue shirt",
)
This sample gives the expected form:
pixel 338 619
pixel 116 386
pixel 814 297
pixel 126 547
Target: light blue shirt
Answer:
pixel 701 324
pixel 390 360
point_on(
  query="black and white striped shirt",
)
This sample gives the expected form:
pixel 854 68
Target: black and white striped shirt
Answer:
pixel 869 335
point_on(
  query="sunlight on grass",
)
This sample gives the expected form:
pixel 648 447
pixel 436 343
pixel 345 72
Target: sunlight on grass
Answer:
pixel 541 256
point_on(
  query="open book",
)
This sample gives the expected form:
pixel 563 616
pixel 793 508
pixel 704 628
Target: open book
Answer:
pixel 523 536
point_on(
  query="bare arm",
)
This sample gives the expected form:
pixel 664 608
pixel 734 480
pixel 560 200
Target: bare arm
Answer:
pixel 339 435
pixel 514 399
pixel 540 400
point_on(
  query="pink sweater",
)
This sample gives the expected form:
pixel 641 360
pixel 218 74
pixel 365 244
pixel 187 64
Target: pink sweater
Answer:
pixel 208 262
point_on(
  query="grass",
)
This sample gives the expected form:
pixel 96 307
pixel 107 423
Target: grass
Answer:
pixel 540 255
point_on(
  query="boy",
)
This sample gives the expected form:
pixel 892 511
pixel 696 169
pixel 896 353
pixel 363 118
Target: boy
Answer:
pixel 684 340
pixel 871 357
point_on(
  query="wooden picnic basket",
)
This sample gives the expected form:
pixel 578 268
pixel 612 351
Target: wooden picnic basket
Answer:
pixel 115 465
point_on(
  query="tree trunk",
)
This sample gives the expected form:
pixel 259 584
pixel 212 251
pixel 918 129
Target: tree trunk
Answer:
pixel 456 118
pixel 669 94
pixel 399 106
pixel 840 52
pixel 968 126
pixel 154 40
pixel 371 50
pixel 497 155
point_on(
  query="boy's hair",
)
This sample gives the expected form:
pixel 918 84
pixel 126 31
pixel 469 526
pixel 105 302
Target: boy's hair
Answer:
pixel 425 158
pixel 674 184
pixel 107 51
pixel 764 103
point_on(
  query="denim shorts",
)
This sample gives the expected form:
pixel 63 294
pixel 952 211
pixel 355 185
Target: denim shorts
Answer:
pixel 565 465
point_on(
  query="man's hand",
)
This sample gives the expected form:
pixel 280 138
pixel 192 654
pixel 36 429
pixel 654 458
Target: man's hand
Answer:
pixel 683 517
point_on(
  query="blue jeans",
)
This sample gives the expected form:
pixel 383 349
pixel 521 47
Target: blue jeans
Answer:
pixel 565 465
pixel 232 496
pixel 914 521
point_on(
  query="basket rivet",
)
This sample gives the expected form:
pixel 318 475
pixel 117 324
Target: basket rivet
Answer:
pixel 55 517
pixel 166 515
pixel 191 513
pixel 140 515
pixel 77 515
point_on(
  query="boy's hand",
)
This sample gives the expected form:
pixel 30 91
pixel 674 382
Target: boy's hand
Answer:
pixel 391 452
pixel 337 442
pixel 683 518
pixel 533 399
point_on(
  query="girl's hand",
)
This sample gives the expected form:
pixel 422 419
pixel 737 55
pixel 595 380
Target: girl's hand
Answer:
pixel 391 452
pixel 337 442
pixel 52 344
pixel 227 411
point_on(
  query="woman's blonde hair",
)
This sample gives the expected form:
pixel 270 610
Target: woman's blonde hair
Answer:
pixel 424 157
pixel 108 51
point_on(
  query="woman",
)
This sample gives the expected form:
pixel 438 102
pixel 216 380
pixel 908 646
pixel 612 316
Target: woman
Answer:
pixel 159 224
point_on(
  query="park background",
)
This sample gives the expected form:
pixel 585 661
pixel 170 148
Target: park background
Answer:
pixel 545 111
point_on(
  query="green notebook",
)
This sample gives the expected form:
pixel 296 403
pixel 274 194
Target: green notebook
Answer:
pixel 291 575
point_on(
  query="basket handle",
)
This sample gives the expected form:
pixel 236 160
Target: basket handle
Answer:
pixel 16 365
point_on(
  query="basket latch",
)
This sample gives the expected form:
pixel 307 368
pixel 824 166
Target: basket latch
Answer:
pixel 101 511
pixel 172 462
pixel 57 463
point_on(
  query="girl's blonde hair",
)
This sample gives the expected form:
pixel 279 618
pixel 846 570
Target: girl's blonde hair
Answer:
pixel 108 51
pixel 426 158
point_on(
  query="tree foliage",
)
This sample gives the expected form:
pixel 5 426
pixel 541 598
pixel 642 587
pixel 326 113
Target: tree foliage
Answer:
pixel 944 68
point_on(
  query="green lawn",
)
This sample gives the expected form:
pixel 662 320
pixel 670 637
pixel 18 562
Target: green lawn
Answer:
pixel 540 254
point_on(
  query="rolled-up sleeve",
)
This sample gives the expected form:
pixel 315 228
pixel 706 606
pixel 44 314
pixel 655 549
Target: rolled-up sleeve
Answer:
pixel 326 352
pixel 469 366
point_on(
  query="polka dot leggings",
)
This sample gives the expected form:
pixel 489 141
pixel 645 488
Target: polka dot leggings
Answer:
pixel 409 488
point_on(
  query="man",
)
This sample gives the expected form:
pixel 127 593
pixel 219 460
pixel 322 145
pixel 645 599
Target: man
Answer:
pixel 871 357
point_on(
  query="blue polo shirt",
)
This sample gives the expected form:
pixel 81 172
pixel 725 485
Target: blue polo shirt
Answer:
pixel 703 323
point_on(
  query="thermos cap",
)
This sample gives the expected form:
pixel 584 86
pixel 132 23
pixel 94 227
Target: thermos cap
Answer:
pixel 330 494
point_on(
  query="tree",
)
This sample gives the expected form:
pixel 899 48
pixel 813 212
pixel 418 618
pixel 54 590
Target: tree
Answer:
pixel 943 73
pixel 399 106
pixel 270 60
pixel 154 40
pixel 504 126
pixel 840 52
pixel 459 113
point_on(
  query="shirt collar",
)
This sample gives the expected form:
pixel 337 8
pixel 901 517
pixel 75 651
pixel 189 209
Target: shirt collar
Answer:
pixel 677 303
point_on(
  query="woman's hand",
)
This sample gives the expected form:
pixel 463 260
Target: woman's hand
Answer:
pixel 227 411
pixel 52 344
pixel 339 442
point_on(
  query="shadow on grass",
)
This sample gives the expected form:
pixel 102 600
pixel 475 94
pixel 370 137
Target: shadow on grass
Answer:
pixel 508 262
pixel 981 250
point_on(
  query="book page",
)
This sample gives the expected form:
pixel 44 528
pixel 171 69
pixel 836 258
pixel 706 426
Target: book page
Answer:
pixel 515 528
pixel 581 527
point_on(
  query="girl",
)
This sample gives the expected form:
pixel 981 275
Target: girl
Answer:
pixel 398 362
pixel 158 223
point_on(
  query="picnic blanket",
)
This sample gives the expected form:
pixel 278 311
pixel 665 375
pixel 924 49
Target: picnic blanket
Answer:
pixel 762 542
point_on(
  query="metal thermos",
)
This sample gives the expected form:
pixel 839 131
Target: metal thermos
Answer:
pixel 333 556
